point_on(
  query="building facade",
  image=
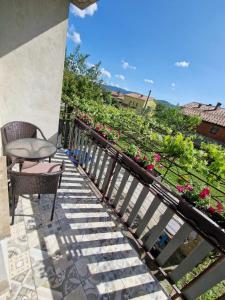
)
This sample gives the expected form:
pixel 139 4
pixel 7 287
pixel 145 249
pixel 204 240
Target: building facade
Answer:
pixel 134 100
pixel 213 119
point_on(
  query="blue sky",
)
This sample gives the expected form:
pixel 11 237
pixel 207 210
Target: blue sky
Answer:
pixel 176 48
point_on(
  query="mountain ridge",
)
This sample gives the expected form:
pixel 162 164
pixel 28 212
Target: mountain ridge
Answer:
pixel 123 91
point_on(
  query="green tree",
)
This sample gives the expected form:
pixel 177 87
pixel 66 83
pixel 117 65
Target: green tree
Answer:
pixel 81 80
pixel 174 118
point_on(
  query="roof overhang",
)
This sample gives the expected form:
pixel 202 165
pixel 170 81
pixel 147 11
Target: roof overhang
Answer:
pixel 82 4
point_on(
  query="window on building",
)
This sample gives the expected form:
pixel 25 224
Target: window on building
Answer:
pixel 214 129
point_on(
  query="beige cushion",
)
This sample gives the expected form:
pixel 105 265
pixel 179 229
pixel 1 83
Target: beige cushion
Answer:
pixel 40 167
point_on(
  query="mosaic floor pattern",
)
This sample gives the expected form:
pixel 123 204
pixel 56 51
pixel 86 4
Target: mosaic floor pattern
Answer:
pixel 82 254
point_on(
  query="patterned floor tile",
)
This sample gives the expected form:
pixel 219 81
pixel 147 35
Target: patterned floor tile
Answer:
pixel 14 289
pixel 26 293
pixel 45 293
pixel 18 230
pixel 17 244
pixel 32 222
pixel 78 293
pixel 35 239
pixel 19 263
pixel 25 278
pixel 83 254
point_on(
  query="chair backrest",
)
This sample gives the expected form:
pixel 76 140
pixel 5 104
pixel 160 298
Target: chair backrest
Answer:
pixel 34 183
pixel 17 130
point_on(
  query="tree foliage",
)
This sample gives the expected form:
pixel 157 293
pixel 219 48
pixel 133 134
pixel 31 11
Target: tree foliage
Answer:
pixel 82 80
pixel 174 118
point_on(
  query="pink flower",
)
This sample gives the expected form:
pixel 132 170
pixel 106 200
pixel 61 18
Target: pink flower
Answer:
pixel 204 193
pixel 219 207
pixel 211 210
pixel 97 128
pixel 150 167
pixel 137 157
pixel 157 157
pixel 180 188
pixel 189 187
pixel 110 129
pixel 161 166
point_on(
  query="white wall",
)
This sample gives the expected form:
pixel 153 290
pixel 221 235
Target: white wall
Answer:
pixel 32 50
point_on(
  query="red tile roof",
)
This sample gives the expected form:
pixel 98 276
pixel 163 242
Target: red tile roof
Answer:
pixel 139 96
pixel 117 95
pixel 208 113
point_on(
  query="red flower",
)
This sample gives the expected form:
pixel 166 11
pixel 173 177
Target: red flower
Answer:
pixel 189 187
pixel 211 210
pixel 219 207
pixel 157 157
pixel 204 193
pixel 110 129
pixel 145 158
pixel 97 128
pixel 180 188
pixel 150 167
pixel 137 158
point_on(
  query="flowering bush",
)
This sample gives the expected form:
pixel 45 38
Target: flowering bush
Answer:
pixel 201 198
pixel 86 119
pixel 146 161
pixel 107 132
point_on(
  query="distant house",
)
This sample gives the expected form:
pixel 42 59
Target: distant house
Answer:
pixel 213 119
pixel 117 95
pixel 134 100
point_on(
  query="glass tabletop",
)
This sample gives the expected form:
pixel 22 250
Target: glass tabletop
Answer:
pixel 30 148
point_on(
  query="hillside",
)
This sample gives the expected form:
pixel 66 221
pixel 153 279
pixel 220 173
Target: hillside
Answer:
pixel 165 102
pixel 123 91
pixel 116 89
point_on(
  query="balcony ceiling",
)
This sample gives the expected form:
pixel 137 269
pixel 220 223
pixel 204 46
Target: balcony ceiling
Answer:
pixel 82 4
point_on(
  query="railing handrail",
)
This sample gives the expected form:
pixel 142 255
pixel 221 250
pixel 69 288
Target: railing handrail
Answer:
pixel 206 227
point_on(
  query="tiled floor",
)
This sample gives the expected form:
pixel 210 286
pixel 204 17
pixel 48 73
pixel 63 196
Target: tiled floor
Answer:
pixel 82 254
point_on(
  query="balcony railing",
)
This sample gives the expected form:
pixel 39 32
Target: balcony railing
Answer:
pixel 161 222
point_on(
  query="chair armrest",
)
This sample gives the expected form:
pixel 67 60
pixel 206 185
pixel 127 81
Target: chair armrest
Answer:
pixel 42 134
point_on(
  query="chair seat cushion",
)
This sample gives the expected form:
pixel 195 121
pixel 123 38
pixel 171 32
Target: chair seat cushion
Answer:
pixel 40 167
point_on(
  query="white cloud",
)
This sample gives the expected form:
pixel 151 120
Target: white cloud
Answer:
pixel 119 76
pixel 105 73
pixel 90 65
pixel 89 11
pixel 182 64
pixel 73 35
pixel 126 65
pixel 148 81
pixel 173 85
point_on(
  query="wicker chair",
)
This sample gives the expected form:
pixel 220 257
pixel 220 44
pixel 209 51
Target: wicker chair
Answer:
pixel 18 130
pixel 38 178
